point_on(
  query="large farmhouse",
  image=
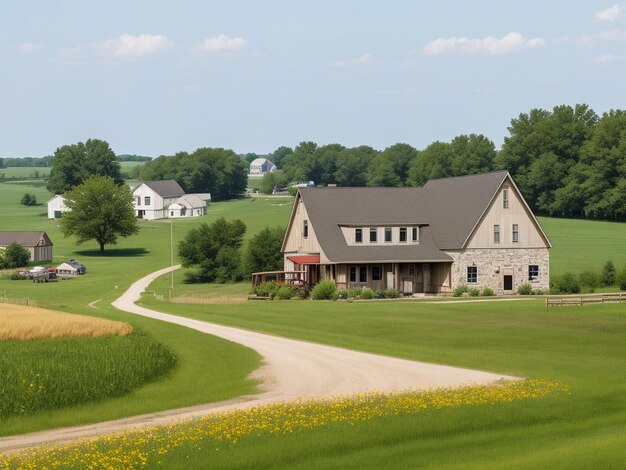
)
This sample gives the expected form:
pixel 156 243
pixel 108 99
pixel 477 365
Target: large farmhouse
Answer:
pixel 260 166
pixel 476 230
pixel 38 243
pixel 166 199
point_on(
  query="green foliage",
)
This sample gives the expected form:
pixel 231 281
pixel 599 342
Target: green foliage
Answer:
pixel 324 290
pixel 367 293
pixel 460 290
pixel 391 166
pixel 101 210
pixel 621 278
pixel 278 155
pixel 567 283
pixel 474 292
pixel 74 164
pixel 267 289
pixel 14 256
pixel 28 200
pixel 607 278
pixel 263 252
pixel 487 292
pixel 206 170
pixel 41 375
pixel 273 180
pixel 387 294
pixel 589 279
pixel 285 292
pixel 525 289
pixel 214 250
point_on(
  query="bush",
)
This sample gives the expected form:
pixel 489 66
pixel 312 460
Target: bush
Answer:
pixel 392 293
pixel 355 293
pixel 589 279
pixel 14 256
pixel 267 289
pixel 285 292
pixel 460 290
pixel 567 283
pixel 607 278
pixel 324 290
pixel 367 293
pixel 621 279
pixel 525 289
pixel 341 294
pixel 473 292
pixel 28 200
pixel 487 292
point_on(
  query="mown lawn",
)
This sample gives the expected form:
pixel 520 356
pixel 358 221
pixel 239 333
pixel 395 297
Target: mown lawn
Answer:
pixel 581 347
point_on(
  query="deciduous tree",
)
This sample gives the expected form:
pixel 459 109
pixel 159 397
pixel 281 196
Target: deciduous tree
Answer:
pixel 101 210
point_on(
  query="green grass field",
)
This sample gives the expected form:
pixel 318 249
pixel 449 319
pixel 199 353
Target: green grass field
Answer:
pixel 582 347
pixel 25 172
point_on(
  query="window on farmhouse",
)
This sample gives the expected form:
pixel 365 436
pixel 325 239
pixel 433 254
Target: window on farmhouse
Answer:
pixel 472 274
pixel 138 200
pixel 402 234
pixel 377 273
pixel 373 235
pixel 358 235
pixel 305 228
pixel 505 198
pixel 533 272
pixel 362 273
pixel 146 200
pixel 352 273
pixel 414 234
pixel 387 234
pixel 515 233
pixel 496 234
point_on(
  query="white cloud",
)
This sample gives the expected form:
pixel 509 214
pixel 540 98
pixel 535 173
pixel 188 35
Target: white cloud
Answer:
pixel 512 42
pixel 29 47
pixel 608 58
pixel 129 46
pixel 364 59
pixel 220 43
pixel 610 14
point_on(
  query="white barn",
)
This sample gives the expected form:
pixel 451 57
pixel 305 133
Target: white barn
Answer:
pixel 260 166
pixel 56 207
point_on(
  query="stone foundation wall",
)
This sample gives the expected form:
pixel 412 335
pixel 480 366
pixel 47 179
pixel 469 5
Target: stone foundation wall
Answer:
pixel 493 264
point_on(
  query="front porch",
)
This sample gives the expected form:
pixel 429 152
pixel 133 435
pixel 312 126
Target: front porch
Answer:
pixel 292 278
pixel 406 278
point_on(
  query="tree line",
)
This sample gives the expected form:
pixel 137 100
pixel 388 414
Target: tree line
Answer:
pixel 567 162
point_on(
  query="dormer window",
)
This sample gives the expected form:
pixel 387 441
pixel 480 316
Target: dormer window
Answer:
pixel 414 234
pixel 358 235
pixel 387 234
pixel 373 235
pixel 403 234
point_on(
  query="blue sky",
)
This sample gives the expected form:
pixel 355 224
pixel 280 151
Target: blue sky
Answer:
pixel 156 77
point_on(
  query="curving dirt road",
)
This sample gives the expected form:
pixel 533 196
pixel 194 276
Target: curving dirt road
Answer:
pixel 292 370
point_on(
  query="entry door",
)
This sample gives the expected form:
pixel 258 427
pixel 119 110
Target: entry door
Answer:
pixel 508 282
pixel 391 280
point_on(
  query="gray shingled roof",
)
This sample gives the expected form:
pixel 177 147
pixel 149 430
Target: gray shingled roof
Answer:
pixel 448 207
pixel 29 239
pixel 165 188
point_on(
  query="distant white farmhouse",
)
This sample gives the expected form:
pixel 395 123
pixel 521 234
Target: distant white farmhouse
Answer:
pixel 166 200
pixel 260 166
pixel 56 207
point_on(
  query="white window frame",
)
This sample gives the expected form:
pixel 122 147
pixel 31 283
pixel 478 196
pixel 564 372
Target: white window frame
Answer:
pixel 515 234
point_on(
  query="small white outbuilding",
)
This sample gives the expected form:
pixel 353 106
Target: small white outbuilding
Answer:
pixel 56 207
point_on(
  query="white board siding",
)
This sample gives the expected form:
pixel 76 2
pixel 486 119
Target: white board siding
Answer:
pixel 296 243
pixel 529 234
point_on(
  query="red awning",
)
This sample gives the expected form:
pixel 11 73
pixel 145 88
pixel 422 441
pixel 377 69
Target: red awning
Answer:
pixel 305 259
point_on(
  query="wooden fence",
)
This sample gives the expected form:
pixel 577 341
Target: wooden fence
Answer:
pixel 17 301
pixel 586 299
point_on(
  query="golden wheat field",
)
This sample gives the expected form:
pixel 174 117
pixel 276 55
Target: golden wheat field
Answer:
pixel 21 322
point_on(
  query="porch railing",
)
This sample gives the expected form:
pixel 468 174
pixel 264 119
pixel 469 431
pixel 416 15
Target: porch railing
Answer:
pixel 293 278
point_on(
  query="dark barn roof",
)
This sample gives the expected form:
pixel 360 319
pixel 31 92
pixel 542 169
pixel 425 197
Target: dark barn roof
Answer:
pixel 447 209
pixel 165 188
pixel 27 239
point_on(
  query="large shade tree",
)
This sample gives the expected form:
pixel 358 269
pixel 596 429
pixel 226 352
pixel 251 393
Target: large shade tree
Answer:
pixel 101 210
pixel 74 163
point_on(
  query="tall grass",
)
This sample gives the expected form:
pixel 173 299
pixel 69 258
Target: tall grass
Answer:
pixel 20 322
pixel 46 374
